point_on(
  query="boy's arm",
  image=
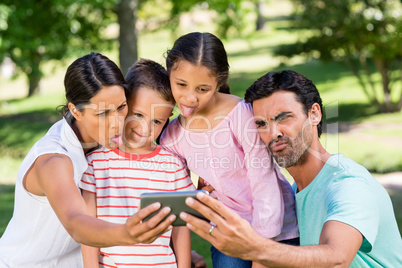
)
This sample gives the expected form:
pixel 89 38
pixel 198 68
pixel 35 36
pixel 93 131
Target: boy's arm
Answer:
pixel 182 246
pixel 90 254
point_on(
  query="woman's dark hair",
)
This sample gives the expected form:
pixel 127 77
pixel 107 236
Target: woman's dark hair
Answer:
pixel 150 74
pixel 201 49
pixel 306 92
pixel 86 76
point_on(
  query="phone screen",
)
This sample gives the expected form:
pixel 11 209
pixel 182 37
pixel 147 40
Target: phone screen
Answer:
pixel 174 200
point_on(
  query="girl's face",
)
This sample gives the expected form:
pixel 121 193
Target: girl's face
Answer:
pixel 193 88
pixel 147 114
pixel 101 121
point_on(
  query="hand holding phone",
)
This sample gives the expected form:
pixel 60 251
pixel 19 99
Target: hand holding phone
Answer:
pixel 174 200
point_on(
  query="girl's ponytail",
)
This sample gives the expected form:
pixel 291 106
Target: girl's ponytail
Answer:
pixel 224 89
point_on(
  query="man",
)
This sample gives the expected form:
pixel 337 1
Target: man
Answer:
pixel 345 216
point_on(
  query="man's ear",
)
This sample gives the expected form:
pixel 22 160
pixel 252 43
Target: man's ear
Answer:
pixel 74 111
pixel 315 114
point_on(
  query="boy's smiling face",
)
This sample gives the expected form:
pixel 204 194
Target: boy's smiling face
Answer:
pixel 147 114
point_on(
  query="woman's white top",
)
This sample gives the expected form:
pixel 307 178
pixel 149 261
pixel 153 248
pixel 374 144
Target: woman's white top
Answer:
pixel 35 236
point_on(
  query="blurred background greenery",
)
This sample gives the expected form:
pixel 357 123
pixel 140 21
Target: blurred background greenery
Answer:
pixel 350 49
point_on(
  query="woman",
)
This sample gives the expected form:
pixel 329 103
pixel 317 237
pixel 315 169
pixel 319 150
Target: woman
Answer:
pixel 50 218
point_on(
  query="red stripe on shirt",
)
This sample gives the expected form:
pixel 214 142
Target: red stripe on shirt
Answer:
pixel 140 255
pixel 113 196
pixel 110 206
pixel 142 188
pixel 144 264
pixel 141 179
pixel 141 160
pixel 138 169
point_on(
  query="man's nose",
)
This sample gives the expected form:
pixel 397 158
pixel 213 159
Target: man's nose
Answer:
pixel 275 131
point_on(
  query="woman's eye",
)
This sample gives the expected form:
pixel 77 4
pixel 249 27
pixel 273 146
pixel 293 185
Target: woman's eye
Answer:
pixel 121 107
pixel 203 89
pixel 102 113
pixel 181 84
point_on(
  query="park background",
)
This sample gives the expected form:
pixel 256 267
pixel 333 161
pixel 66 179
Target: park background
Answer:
pixel 351 51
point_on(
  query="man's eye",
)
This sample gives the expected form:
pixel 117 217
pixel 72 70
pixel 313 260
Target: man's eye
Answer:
pixel 282 117
pixel 137 115
pixel 260 124
pixel 157 122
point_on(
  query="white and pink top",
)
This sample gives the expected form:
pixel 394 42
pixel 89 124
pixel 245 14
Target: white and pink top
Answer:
pixel 233 159
pixel 118 179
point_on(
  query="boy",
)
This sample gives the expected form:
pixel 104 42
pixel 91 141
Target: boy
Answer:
pixel 115 178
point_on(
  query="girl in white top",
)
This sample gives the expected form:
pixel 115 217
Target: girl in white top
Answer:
pixel 49 211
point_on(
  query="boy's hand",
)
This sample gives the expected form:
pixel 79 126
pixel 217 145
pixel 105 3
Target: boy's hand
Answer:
pixel 147 232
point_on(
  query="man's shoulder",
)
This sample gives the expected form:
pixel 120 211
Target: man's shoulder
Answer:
pixel 339 166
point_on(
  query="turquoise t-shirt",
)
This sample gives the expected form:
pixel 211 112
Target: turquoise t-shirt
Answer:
pixel 346 192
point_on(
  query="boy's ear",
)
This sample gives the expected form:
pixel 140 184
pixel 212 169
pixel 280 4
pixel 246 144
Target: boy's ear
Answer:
pixel 74 111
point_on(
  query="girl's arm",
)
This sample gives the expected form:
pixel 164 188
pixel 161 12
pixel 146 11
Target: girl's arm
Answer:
pixel 257 265
pixel 52 176
pixel 268 204
pixel 202 186
pixel 90 255
pixel 182 246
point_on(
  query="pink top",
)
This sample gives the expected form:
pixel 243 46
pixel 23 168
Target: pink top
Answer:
pixel 233 159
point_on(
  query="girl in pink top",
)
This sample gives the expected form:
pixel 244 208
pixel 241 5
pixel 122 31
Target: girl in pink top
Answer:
pixel 215 135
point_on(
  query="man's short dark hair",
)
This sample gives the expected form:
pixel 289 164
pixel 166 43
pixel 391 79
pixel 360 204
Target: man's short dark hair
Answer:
pixel 306 92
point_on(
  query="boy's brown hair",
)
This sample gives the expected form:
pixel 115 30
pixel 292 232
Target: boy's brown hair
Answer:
pixel 150 74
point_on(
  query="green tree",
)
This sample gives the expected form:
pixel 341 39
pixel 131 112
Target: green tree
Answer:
pixel 34 32
pixel 366 34
pixel 230 13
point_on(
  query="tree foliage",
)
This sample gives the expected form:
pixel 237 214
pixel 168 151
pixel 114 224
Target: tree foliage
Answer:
pixel 367 34
pixel 230 14
pixel 33 32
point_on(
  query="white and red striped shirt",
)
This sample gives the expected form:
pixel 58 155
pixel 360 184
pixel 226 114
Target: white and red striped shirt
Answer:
pixel 118 179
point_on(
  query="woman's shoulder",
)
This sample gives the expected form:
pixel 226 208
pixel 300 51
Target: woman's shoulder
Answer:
pixel 53 161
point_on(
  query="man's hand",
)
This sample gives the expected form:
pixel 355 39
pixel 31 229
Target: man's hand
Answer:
pixel 232 235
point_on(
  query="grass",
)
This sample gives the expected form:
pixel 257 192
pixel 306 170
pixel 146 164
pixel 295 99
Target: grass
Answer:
pixel 6 205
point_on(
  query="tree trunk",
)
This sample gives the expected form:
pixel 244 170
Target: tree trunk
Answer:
pixel 127 17
pixel 34 74
pixel 34 82
pixel 260 19
pixel 382 67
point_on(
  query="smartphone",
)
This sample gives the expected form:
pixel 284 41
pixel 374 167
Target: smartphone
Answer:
pixel 174 200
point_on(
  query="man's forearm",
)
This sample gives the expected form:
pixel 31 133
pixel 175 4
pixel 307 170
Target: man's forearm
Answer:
pixel 274 254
